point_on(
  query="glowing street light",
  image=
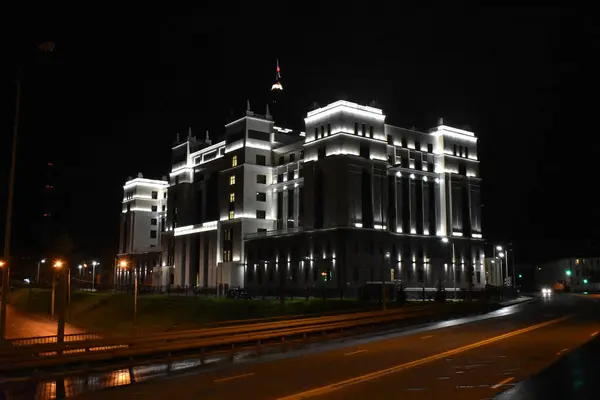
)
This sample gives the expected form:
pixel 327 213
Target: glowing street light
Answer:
pixel 94 263
pixel 499 248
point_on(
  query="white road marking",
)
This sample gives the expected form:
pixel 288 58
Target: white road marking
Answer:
pixel 562 351
pixel 428 336
pixel 355 352
pixel 233 377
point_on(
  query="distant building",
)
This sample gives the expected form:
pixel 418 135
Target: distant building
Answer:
pixel 143 219
pixel 349 201
pixel 578 273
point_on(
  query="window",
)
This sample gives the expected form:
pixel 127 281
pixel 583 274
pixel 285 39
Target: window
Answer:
pixel 466 152
pixel 261 196
pixel 460 148
pixel 226 255
pixel 153 221
pixel 234 161
pixel 429 148
pixel 227 234
pixel 154 195
pixel 232 180
pixel 232 197
pixel 279 178
pixel 261 214
pixel 177 180
pixel 370 131
pixel 417 145
pixel 302 154
pixel 454 150
pixel 154 208
pixel 281 160
pixel 261 160
pixel 316 132
pixel 322 131
pixel 356 128
pixel 153 234
pixel 261 230
pixel 164 207
pixel 231 214
pixel 164 195
pixel 328 129
pixel 404 143
pixel 364 129
pixel 261 179
pixel 292 157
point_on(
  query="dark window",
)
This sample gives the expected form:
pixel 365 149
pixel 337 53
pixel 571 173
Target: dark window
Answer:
pixel 177 180
pixel 370 131
pixel 328 129
pixel 429 148
pixel 164 195
pixel 261 179
pixel 279 178
pixel 153 234
pixel 261 196
pixel 417 145
pixel 322 130
pixel 454 150
pixel 261 214
pixel 302 154
pixel 466 152
pixel 164 207
pixel 364 129
pixel 281 160
pixel 404 143
pixel 356 128
pixel 261 160
pixel 478 275
pixel 261 230
pixel 154 208
pixel 461 150
pixel 364 151
pixel 316 132
pixel 153 221
pixel 292 157
pixel 154 195
pixel 290 175
pixel 321 152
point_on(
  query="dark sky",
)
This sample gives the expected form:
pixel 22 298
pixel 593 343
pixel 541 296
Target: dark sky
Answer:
pixel 109 101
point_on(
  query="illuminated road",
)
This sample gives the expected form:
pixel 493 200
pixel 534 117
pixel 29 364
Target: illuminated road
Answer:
pixel 20 325
pixel 471 358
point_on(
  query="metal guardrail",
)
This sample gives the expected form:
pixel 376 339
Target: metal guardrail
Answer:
pixel 60 354
pixel 73 337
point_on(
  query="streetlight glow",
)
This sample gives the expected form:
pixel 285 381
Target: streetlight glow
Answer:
pixel 123 264
pixel 501 254
pixel 1 264
pixel 80 266
pixel 445 239
pixel 499 248
pixel 58 264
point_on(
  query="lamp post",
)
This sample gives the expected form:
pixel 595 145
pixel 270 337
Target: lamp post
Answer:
pixel 56 265
pixel 60 335
pixel 123 264
pixel 80 267
pixel 383 293
pixel 446 240
pixel 37 280
pixel 94 263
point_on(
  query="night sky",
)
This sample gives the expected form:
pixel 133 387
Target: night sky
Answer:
pixel 110 100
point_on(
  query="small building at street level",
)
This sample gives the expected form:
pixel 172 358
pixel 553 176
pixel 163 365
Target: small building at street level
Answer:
pixel 348 201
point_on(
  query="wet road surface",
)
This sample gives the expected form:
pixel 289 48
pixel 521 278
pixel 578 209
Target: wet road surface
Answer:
pixel 22 325
pixel 472 358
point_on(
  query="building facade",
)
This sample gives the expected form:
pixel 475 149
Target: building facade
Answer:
pixel 350 201
pixel 578 273
pixel 143 218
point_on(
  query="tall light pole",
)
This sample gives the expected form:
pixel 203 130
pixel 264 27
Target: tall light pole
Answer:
pixel 44 47
pixel 123 264
pixel 94 263
pixel 446 240
pixel 42 261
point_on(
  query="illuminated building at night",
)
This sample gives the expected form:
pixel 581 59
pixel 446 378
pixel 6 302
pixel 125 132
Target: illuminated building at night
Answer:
pixel 351 200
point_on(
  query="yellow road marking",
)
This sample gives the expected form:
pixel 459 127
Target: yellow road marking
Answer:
pixel 504 382
pixel 594 334
pixel 355 352
pixel 377 374
pixel 428 336
pixel 562 351
pixel 233 377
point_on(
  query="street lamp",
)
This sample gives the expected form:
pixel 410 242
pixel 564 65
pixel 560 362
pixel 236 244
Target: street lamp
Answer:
pixel 94 263
pixel 446 240
pixel 123 264
pixel 57 265
pixel 42 261
pixel 499 248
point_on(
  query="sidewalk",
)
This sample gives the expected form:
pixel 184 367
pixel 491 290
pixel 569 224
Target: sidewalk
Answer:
pixel 24 325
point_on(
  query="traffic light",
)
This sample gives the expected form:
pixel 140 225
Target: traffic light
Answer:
pixel 568 272
pixel 585 281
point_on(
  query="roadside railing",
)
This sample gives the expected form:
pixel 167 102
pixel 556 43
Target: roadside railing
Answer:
pixel 73 337
pixel 226 338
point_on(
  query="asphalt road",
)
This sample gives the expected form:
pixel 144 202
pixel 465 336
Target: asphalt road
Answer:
pixel 474 358
pixel 21 325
